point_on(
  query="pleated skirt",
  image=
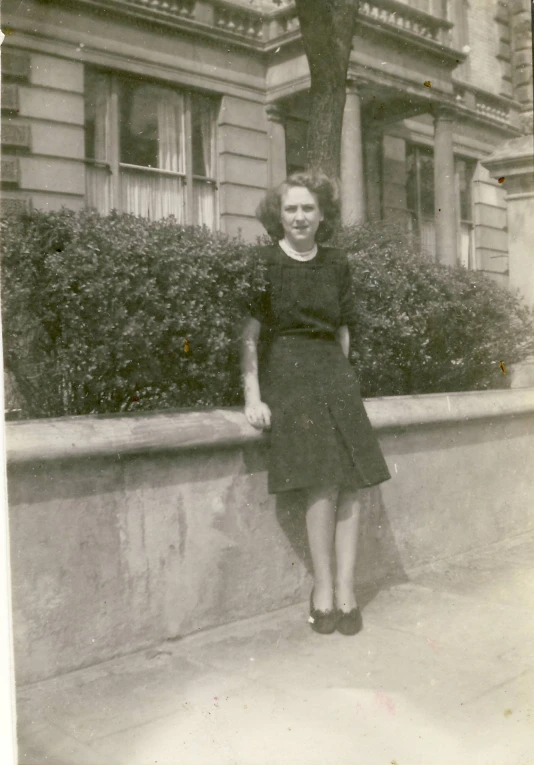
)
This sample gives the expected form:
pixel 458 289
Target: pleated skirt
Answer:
pixel 320 433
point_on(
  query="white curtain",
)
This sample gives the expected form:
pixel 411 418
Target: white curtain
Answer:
pixel 98 177
pixel 97 188
pixel 152 195
pixel 102 94
pixel 171 131
pixel 428 237
pixel 149 193
pixel 206 120
pixel 204 203
pixel 204 193
pixel 465 249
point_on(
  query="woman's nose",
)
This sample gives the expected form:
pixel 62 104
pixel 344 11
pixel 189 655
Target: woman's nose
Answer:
pixel 299 215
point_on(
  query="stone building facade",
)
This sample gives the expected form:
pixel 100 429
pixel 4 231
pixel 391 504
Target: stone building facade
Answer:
pixel 195 107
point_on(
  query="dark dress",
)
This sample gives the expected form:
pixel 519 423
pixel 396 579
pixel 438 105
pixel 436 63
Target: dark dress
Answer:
pixel 320 432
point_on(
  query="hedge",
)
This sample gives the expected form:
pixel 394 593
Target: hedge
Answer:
pixel 428 328
pixel 114 314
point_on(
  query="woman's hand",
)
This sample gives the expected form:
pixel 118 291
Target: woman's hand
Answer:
pixel 258 415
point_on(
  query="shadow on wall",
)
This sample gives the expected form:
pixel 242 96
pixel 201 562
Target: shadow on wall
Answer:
pixel 379 562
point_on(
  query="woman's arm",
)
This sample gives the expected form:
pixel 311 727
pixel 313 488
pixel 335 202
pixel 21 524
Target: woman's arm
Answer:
pixel 257 413
pixel 343 338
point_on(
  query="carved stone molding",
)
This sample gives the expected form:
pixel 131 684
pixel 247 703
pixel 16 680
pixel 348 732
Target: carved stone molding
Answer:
pixel 16 135
pixel 444 113
pixel 275 113
pixel 15 64
pixel 10 97
pixel 10 171
pixel 266 26
pixel 14 206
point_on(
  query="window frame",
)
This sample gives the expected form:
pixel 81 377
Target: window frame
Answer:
pixel 417 217
pixel 112 144
pixel 465 223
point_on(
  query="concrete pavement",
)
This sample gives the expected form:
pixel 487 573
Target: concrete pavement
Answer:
pixel 442 674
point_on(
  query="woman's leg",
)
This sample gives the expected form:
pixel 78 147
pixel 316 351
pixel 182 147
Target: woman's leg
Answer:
pixel 346 543
pixel 321 523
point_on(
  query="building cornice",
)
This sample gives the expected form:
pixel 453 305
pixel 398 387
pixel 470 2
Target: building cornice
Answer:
pixel 263 31
pixel 63 43
pixel 514 158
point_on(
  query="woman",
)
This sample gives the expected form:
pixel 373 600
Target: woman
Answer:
pixel 321 439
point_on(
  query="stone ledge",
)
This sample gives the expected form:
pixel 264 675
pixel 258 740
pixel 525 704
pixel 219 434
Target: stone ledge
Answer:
pixel 107 436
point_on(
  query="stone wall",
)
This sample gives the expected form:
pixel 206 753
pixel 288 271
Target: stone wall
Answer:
pixel 42 131
pixel 43 104
pixel 243 166
pixel 127 531
pixel 484 23
pixel 491 226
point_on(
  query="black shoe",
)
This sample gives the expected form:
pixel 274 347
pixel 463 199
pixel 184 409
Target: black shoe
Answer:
pixel 323 622
pixel 349 623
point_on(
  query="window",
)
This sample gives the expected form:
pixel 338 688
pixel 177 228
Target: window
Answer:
pixel 464 172
pixel 150 149
pixel 420 200
pixel 420 194
pixel 296 139
pixel 97 150
pixel 435 7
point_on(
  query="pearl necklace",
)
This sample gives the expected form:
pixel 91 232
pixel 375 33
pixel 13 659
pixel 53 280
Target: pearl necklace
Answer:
pixel 303 256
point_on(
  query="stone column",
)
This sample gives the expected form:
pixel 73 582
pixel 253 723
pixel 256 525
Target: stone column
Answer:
pixel 352 177
pixel 277 145
pixel 445 188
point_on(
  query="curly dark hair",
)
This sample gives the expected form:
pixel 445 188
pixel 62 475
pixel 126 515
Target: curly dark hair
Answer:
pixel 326 190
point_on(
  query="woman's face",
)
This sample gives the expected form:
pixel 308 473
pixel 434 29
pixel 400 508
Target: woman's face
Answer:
pixel 301 216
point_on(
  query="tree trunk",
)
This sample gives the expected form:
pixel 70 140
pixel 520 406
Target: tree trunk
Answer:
pixel 327 28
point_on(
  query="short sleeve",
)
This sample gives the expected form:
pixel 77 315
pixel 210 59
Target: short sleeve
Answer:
pixel 347 299
pixel 258 306
pixel 259 301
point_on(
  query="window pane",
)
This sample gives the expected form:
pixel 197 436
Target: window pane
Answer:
pixel 411 178
pixel 138 124
pixel 152 195
pixel 96 91
pixel 465 171
pixel 426 181
pixel 296 137
pixel 204 203
pixel 203 137
pixel 152 126
pixel 97 188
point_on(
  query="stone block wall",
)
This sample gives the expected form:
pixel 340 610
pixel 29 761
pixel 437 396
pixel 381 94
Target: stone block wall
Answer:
pixel 485 24
pixel 42 132
pixel 243 164
pixel 491 231
pixel 521 22
pixel 504 52
pixel 131 530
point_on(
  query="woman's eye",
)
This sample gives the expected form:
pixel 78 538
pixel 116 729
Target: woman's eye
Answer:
pixel 290 209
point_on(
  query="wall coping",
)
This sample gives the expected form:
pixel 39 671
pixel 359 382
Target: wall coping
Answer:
pixel 110 435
